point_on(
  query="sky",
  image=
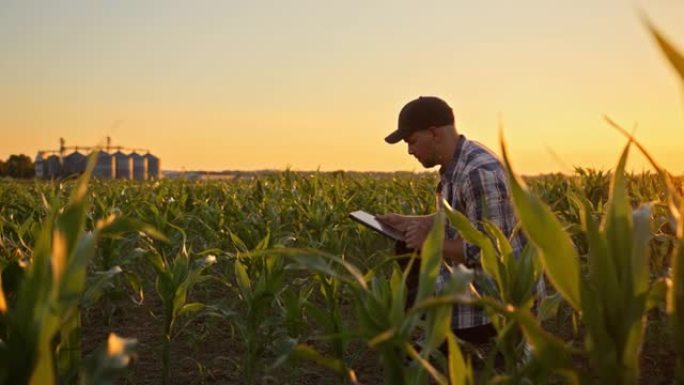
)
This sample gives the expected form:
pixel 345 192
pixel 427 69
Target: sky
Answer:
pixel 306 85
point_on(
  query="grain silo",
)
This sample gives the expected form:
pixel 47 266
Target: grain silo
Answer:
pixel 153 166
pixel 124 165
pixel 39 165
pixel 139 166
pixel 104 167
pixel 53 167
pixel 74 163
pixel 108 165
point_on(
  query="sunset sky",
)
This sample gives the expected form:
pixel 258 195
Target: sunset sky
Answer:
pixel 244 85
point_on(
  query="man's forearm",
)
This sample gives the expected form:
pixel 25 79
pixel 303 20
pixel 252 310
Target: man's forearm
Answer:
pixel 453 249
pixel 427 218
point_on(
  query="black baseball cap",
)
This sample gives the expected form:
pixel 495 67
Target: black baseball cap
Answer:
pixel 421 114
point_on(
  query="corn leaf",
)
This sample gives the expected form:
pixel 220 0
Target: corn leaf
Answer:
pixel 488 256
pixel 460 371
pixel 108 362
pixel 672 54
pixel 431 257
pixel 556 250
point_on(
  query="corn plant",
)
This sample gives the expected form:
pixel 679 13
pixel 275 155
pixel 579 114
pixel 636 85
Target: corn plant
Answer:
pixel 40 322
pixel 259 281
pixel 675 300
pixel 515 278
pixel 176 276
pixel 614 297
pixel 328 275
pixel 107 364
pixel 388 326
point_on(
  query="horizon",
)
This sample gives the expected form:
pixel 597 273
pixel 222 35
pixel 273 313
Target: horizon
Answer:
pixel 212 86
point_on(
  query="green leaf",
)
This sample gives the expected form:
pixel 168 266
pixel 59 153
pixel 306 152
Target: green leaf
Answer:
pixel 319 261
pixel 243 281
pixel 488 255
pixel 115 225
pixel 189 308
pixel 544 230
pixel 674 200
pixel 136 285
pixel 431 257
pixel 602 269
pixel 550 350
pixel 505 249
pixel 108 363
pixel 671 53
pixel 97 285
pixel 307 352
pixel 643 233
pixel 398 290
pixel 425 364
pixel 239 244
pixel 675 305
pixel 548 309
pixel 157 262
pixel 617 228
pixel 438 324
pixel 460 371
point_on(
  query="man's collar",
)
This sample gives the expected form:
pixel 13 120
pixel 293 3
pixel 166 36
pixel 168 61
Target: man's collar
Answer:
pixel 451 165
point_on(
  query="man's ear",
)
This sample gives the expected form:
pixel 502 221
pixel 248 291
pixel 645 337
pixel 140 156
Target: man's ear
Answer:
pixel 436 132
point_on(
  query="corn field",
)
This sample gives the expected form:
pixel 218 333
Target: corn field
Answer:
pixel 264 280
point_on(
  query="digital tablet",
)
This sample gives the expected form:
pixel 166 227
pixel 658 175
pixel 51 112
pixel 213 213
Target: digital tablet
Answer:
pixel 370 221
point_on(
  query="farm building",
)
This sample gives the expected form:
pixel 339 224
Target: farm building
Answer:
pixel 138 164
pixel 124 165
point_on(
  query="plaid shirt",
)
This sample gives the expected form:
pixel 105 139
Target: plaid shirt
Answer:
pixel 475 183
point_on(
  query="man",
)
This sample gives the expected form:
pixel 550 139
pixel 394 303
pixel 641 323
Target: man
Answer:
pixel 472 180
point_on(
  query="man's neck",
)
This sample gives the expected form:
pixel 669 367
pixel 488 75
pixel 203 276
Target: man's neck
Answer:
pixel 449 150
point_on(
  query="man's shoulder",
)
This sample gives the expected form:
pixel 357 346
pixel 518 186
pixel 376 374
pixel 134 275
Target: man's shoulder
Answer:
pixel 478 157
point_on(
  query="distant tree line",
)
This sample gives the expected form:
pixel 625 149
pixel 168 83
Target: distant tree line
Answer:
pixel 17 166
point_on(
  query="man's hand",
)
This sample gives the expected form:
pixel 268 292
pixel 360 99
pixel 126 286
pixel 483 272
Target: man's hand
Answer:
pixel 416 232
pixel 415 228
pixel 399 222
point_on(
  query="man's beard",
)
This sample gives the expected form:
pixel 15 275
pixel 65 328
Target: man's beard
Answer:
pixel 431 161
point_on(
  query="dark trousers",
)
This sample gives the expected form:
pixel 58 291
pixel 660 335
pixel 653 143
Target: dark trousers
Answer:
pixel 475 335
pixel 400 248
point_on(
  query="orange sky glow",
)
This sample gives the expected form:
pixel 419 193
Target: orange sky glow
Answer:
pixel 213 85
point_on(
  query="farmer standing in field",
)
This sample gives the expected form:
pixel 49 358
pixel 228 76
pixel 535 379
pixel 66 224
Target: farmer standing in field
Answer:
pixel 472 180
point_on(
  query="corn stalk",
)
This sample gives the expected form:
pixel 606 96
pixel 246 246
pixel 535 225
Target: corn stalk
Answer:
pixel 40 323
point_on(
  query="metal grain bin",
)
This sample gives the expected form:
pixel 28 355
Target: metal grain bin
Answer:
pixel 104 167
pixel 53 167
pixel 74 164
pixel 139 166
pixel 153 166
pixel 124 165
pixel 39 166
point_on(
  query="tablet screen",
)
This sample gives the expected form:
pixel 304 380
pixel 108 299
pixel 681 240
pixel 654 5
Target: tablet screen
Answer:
pixel 370 221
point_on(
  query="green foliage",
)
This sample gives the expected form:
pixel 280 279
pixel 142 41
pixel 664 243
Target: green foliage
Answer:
pixel 515 278
pixel 676 292
pixel 40 318
pixel 298 291
pixel 176 276
pixel 612 299
pixel 109 362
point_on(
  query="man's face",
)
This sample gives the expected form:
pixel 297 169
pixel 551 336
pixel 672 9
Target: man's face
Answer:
pixel 423 146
